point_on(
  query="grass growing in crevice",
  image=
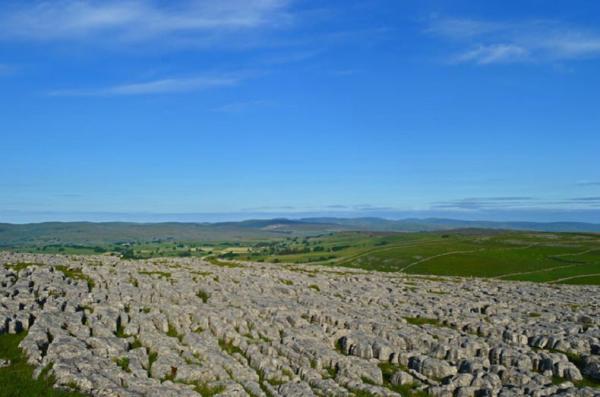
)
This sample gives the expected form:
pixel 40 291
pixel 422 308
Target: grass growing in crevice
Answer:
pixel 423 321
pixel 229 347
pixel 172 332
pixel 203 295
pixel 123 363
pixel 578 361
pixel 136 344
pixel 388 370
pixel 16 380
pixel 152 357
pixel 17 267
pixel 76 274
pixel 120 332
pixel 331 372
pixel 208 391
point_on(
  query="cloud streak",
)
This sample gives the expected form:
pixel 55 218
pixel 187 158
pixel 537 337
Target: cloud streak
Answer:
pixel 483 203
pixel 496 53
pixel 588 183
pixel 165 86
pixel 135 20
pixel 516 203
pixel 491 42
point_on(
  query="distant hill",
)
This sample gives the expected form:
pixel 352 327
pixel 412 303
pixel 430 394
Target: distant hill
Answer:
pixel 433 224
pixel 114 232
pixel 89 233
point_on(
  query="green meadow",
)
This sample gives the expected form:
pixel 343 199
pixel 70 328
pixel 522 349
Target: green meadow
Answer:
pixel 528 256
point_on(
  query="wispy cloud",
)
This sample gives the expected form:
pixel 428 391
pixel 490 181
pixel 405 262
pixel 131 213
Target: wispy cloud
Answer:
pixel 370 207
pixel 495 53
pixel 586 199
pixel 337 207
pixel 481 203
pixel 135 20
pixel 171 85
pixel 517 203
pixel 487 42
pixel 587 183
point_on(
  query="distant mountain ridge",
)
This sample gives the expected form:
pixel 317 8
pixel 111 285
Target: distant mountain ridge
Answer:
pixel 433 224
pixel 253 229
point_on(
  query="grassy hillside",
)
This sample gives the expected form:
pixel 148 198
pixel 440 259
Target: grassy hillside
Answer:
pixel 546 257
pixel 510 255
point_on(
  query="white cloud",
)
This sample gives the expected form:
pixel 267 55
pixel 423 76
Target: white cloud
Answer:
pixel 154 87
pixel 496 53
pixel 573 45
pixel 461 28
pixel 134 20
pixel 488 42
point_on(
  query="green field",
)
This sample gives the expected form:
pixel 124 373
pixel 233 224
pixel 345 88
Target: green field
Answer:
pixel 570 258
pixel 531 256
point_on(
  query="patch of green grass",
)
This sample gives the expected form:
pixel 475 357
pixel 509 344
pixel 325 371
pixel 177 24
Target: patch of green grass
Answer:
pixel 16 380
pixel 135 344
pixel 76 274
pixel 229 347
pixel 534 315
pixel 587 382
pixel 123 363
pixel 287 282
pixel 388 370
pixel 120 332
pixel 338 346
pixel 172 332
pixel 198 330
pixel 17 267
pixel 362 393
pixel 203 295
pixel 423 321
pixel 217 262
pixel 331 372
pixel 315 287
pixel 208 391
pixel 152 357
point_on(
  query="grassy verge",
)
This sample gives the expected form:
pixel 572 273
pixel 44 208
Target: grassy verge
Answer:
pixel 16 380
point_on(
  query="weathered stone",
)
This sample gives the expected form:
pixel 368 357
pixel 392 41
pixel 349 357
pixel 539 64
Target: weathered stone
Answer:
pixel 167 327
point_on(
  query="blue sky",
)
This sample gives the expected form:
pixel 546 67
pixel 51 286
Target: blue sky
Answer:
pixel 195 109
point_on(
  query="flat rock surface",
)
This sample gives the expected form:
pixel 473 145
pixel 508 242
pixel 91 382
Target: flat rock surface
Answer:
pixel 185 327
